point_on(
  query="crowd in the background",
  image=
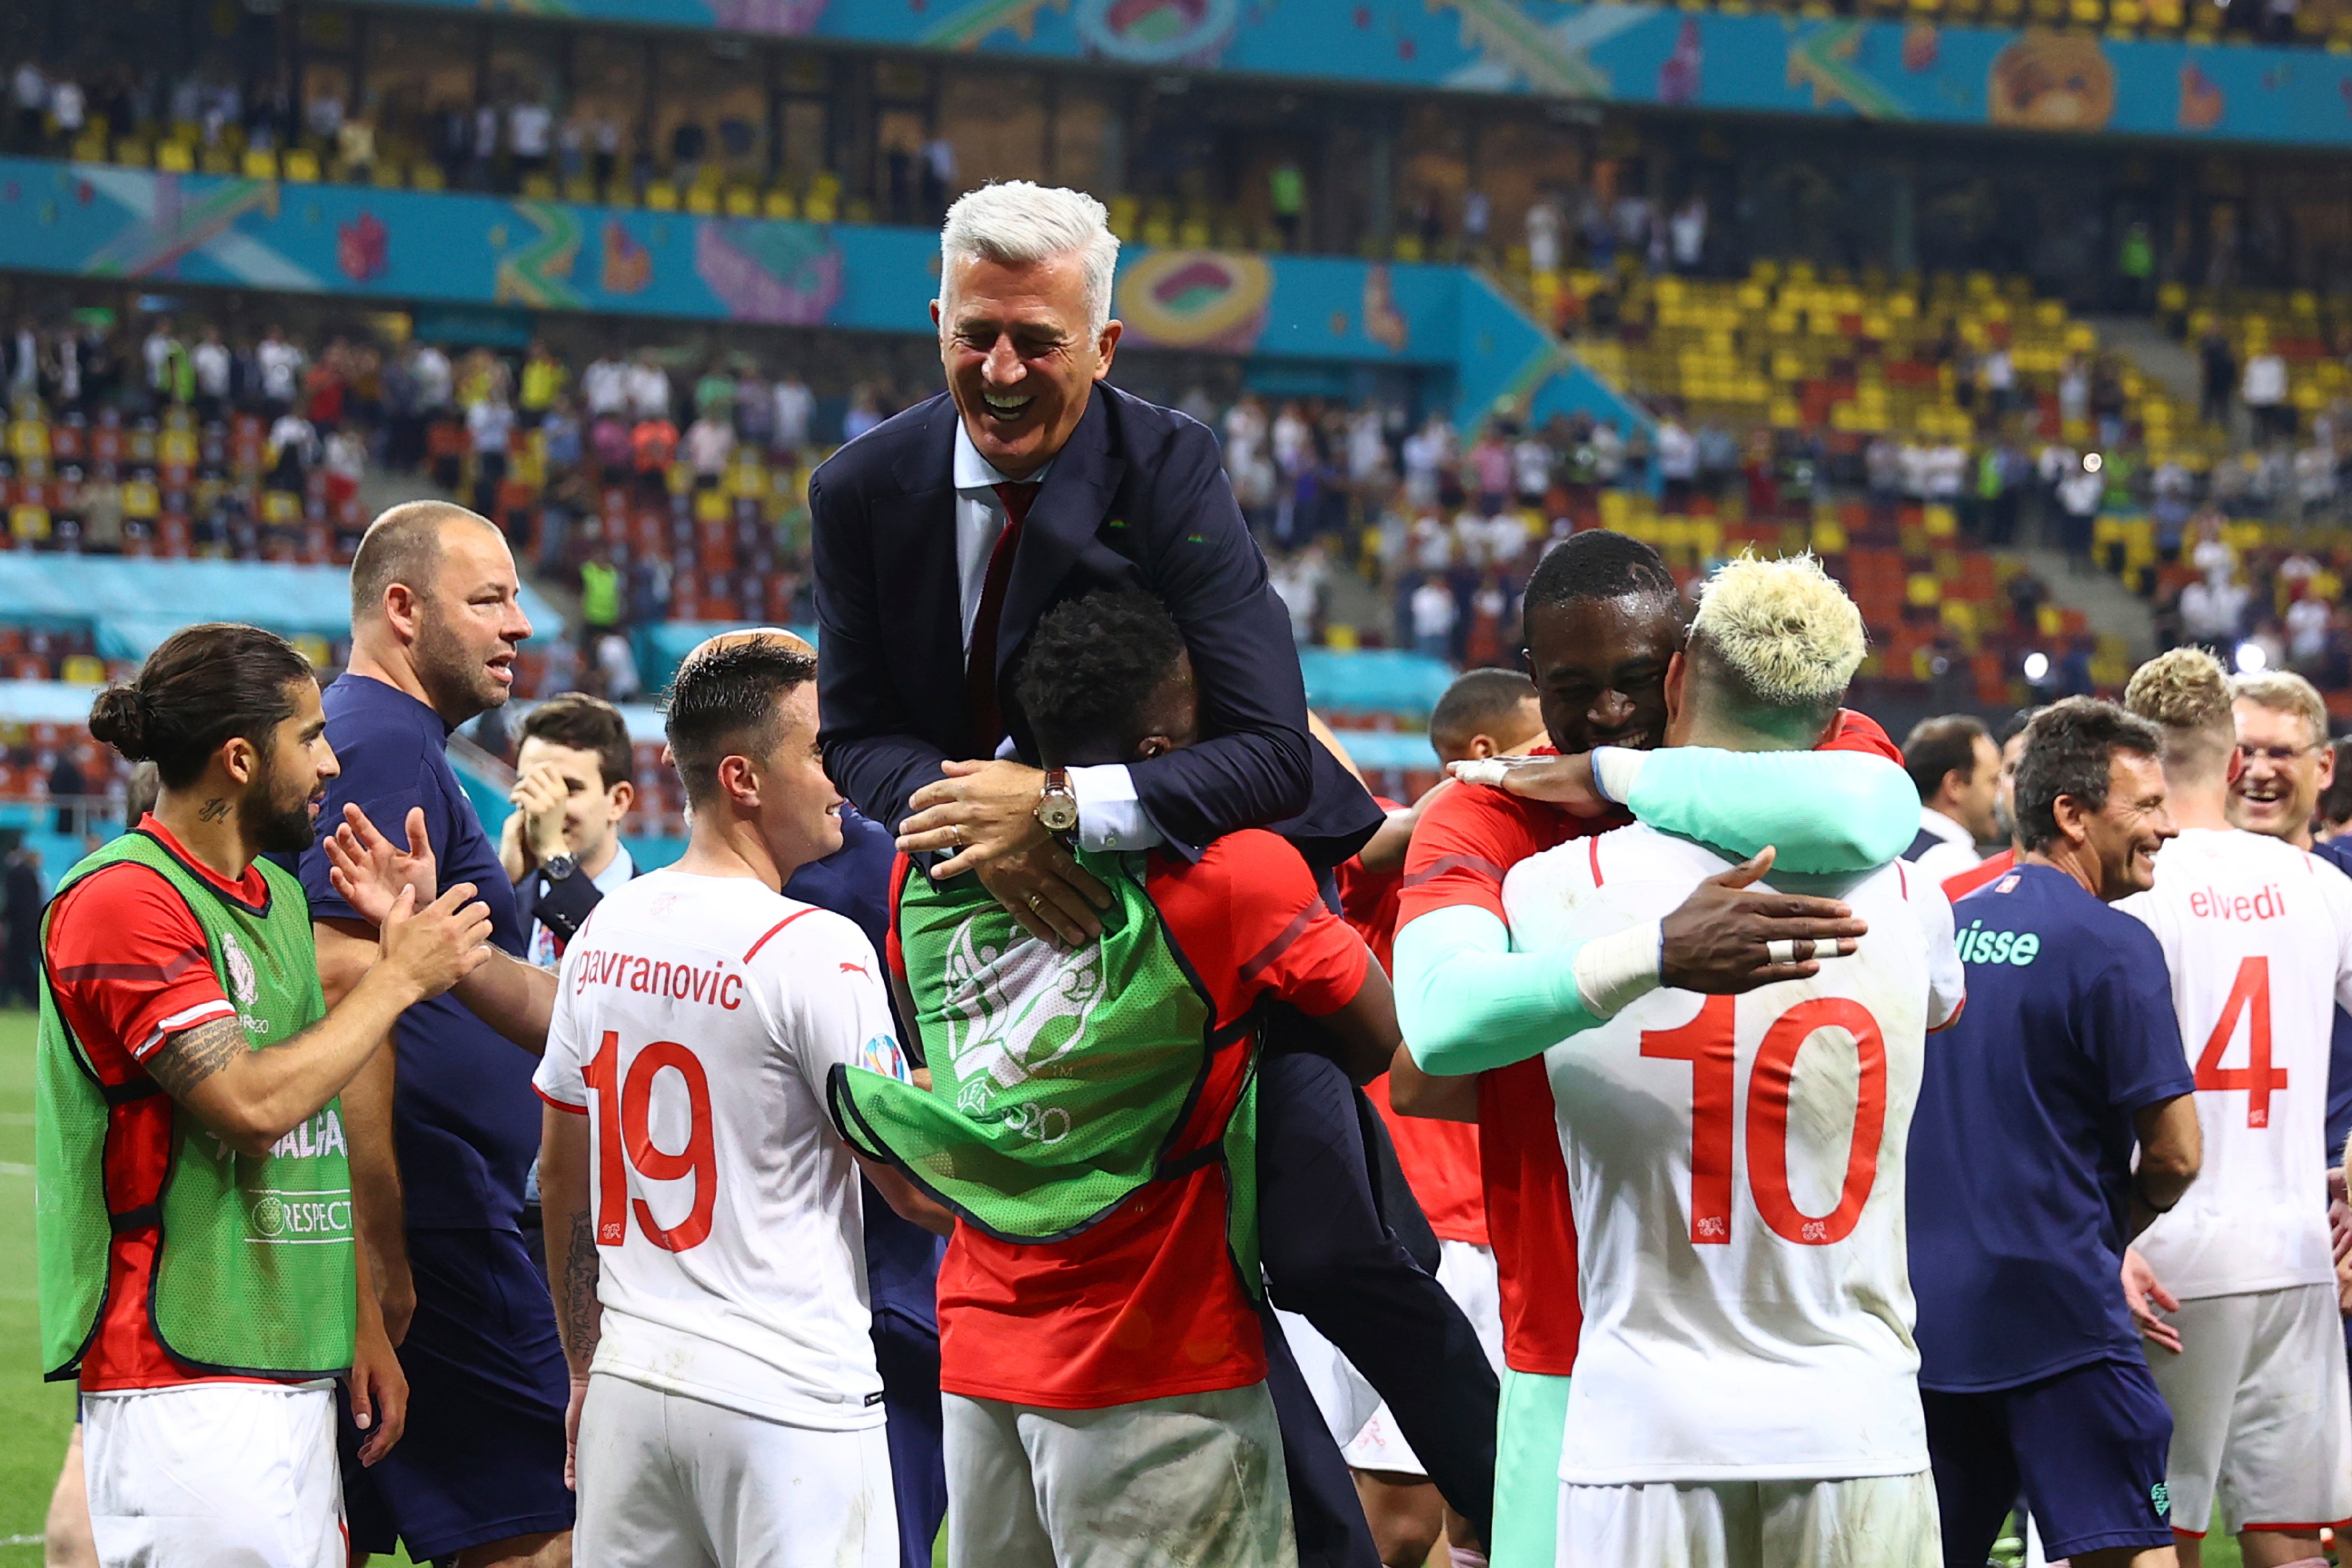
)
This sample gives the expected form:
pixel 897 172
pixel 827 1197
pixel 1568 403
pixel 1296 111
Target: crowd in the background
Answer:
pixel 658 486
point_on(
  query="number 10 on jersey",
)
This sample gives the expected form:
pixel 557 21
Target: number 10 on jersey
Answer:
pixel 1706 1042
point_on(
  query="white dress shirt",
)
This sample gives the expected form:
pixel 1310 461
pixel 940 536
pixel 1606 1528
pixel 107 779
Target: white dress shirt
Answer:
pixel 1954 851
pixel 1110 814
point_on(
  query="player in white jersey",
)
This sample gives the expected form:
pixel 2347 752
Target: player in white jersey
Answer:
pixel 1746 1390
pixel 704 1232
pixel 2258 935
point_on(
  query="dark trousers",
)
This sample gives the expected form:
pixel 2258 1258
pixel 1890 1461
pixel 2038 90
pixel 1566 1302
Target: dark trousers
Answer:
pixel 1332 1257
pixel 907 1355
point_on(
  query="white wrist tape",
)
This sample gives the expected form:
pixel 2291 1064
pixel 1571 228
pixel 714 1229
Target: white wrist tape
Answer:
pixel 1489 770
pixel 1616 769
pixel 1614 971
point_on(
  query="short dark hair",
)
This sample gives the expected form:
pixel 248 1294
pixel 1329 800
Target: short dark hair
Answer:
pixel 1478 701
pixel 1092 665
pixel 722 703
pixel 402 545
pixel 2335 800
pixel 2014 725
pixel 585 723
pixel 2070 749
pixel 1598 564
pixel 202 686
pixel 1936 747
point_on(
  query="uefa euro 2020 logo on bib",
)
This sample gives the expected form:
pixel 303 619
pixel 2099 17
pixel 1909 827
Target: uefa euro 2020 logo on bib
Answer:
pixel 242 981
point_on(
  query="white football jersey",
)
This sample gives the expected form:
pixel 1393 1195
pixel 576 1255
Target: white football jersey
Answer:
pixel 2258 935
pixel 695 1021
pixel 1736 1165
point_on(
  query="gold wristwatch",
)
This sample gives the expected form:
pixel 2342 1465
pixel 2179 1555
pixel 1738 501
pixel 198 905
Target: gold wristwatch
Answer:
pixel 1057 806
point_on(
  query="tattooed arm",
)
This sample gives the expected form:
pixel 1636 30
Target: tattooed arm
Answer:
pixel 253 1097
pixel 572 1268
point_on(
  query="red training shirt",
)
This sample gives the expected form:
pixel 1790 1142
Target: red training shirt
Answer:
pixel 1147 1304
pixel 1961 885
pixel 1440 1159
pixel 130 966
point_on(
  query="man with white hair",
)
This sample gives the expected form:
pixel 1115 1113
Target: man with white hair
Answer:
pixel 941 539
pixel 1746 1389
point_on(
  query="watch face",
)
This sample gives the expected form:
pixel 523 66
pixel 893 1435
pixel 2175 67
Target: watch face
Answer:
pixel 1058 814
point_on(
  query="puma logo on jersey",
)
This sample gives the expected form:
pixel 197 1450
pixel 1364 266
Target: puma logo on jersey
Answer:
pixel 1978 945
pixel 853 969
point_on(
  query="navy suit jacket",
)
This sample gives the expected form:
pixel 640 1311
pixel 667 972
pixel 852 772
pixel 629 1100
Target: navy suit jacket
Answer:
pixel 1136 497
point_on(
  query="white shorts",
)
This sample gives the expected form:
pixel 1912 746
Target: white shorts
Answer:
pixel 1192 1481
pixel 1360 1421
pixel 2262 1421
pixel 670 1482
pixel 1872 1522
pixel 207 1473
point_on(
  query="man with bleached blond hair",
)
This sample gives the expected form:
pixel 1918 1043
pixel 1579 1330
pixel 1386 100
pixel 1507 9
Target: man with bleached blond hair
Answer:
pixel 1764 1409
pixel 2258 937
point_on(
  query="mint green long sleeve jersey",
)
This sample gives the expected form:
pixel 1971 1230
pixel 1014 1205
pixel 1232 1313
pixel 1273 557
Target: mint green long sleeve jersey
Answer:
pixel 1468 1002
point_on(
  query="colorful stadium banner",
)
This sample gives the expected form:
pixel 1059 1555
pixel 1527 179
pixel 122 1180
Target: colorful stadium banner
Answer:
pixel 412 246
pixel 1773 63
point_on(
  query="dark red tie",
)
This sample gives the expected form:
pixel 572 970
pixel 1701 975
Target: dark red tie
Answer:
pixel 980 664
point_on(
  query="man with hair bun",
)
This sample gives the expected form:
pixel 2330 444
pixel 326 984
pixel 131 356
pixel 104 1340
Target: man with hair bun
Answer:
pixel 198 1273
pixel 2025 1190
pixel 2258 937
pixel 1761 1408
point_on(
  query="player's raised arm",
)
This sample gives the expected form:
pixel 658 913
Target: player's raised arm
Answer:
pixel 1468 1003
pixel 509 993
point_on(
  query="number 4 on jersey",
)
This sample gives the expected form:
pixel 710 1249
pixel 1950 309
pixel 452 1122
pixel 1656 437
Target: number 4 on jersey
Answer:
pixel 2251 995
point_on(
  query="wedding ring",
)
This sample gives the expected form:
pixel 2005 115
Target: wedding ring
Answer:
pixel 1036 904
pixel 956 828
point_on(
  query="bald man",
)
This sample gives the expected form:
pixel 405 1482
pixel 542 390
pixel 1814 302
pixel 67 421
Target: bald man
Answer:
pixel 444 1127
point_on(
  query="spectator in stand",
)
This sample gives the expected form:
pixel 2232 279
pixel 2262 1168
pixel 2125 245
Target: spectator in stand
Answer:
pixel 755 408
pixel 710 443
pixel 530 126
pixel 862 415
pixel 436 384
pixel 653 445
pixel 1490 463
pixel 649 392
pixel 209 365
pixel 2264 392
pixel 600 595
pixel 2219 368
pixel 29 93
pixel 1285 193
pixel 606 386
pixel 543 381
pixel 1434 615
pixel 68 786
pixel 279 365
pixel 1677 462
pixel 293 451
pixel 490 425
pixel 1688 228
pixel 795 407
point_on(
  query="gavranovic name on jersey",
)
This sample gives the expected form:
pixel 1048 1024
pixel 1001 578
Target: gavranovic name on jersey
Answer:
pixel 712 986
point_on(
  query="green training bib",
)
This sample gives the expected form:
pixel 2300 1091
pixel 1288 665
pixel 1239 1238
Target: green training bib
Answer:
pixel 254 1256
pixel 1059 1081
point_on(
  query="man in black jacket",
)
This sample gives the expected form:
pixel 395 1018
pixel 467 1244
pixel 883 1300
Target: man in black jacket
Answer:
pixel 942 537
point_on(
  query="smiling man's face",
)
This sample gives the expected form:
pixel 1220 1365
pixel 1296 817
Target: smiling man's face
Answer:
pixel 1020 356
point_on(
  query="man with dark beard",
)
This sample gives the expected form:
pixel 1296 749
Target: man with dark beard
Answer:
pixel 198 1276
pixel 443 1128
